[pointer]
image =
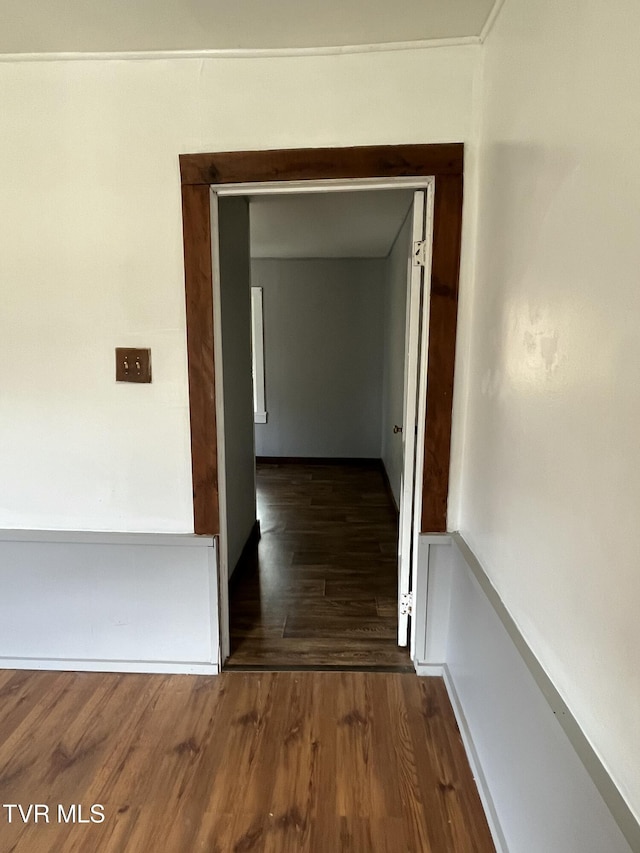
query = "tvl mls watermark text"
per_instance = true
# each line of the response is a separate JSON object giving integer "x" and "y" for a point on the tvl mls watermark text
{"x": 42, "y": 813}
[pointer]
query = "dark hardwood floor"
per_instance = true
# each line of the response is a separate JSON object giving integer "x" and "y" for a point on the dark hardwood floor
{"x": 274, "y": 762}
{"x": 319, "y": 589}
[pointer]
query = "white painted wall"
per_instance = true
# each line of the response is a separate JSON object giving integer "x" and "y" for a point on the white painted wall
{"x": 551, "y": 488}
{"x": 91, "y": 250}
{"x": 235, "y": 316}
{"x": 395, "y": 313}
{"x": 323, "y": 340}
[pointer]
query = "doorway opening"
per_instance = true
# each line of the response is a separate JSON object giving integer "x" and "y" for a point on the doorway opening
{"x": 243, "y": 173}
{"x": 343, "y": 277}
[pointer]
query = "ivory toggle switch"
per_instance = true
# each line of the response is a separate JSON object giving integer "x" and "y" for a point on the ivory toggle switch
{"x": 133, "y": 365}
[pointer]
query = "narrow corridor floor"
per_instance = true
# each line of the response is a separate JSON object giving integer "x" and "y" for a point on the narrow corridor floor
{"x": 319, "y": 589}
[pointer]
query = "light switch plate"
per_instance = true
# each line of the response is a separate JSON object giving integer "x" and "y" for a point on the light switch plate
{"x": 133, "y": 365}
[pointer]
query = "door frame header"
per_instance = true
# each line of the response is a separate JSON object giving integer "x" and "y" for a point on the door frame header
{"x": 303, "y": 164}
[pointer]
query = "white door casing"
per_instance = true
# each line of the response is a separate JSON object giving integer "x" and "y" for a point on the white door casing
{"x": 415, "y": 378}
{"x": 419, "y": 276}
{"x": 422, "y": 401}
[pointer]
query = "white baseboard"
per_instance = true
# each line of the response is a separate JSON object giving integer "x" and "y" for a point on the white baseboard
{"x": 132, "y": 666}
{"x": 429, "y": 669}
{"x": 476, "y": 768}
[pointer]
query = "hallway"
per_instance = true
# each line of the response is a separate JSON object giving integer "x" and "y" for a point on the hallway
{"x": 319, "y": 590}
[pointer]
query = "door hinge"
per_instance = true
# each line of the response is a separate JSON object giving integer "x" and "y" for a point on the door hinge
{"x": 419, "y": 253}
{"x": 406, "y": 604}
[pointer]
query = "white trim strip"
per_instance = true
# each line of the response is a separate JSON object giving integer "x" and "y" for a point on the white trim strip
{"x": 88, "y": 665}
{"x": 476, "y": 768}
{"x": 429, "y": 670}
{"x": 436, "y": 538}
{"x": 240, "y": 53}
{"x": 223, "y": 544}
{"x": 322, "y": 186}
{"x": 421, "y": 401}
{"x": 491, "y": 19}
{"x": 214, "y": 614}
{"x": 407, "y": 548}
{"x": 106, "y": 537}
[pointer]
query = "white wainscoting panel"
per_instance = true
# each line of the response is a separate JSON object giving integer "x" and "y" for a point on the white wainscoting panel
{"x": 536, "y": 789}
{"x": 108, "y": 602}
{"x": 432, "y": 597}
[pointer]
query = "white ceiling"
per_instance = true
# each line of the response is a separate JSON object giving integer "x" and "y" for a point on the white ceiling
{"x": 361, "y": 224}
{"x": 50, "y": 26}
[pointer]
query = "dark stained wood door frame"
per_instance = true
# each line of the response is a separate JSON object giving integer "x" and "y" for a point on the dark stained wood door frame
{"x": 198, "y": 171}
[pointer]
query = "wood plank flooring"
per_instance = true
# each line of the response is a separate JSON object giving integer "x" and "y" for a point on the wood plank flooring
{"x": 276, "y": 762}
{"x": 320, "y": 587}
